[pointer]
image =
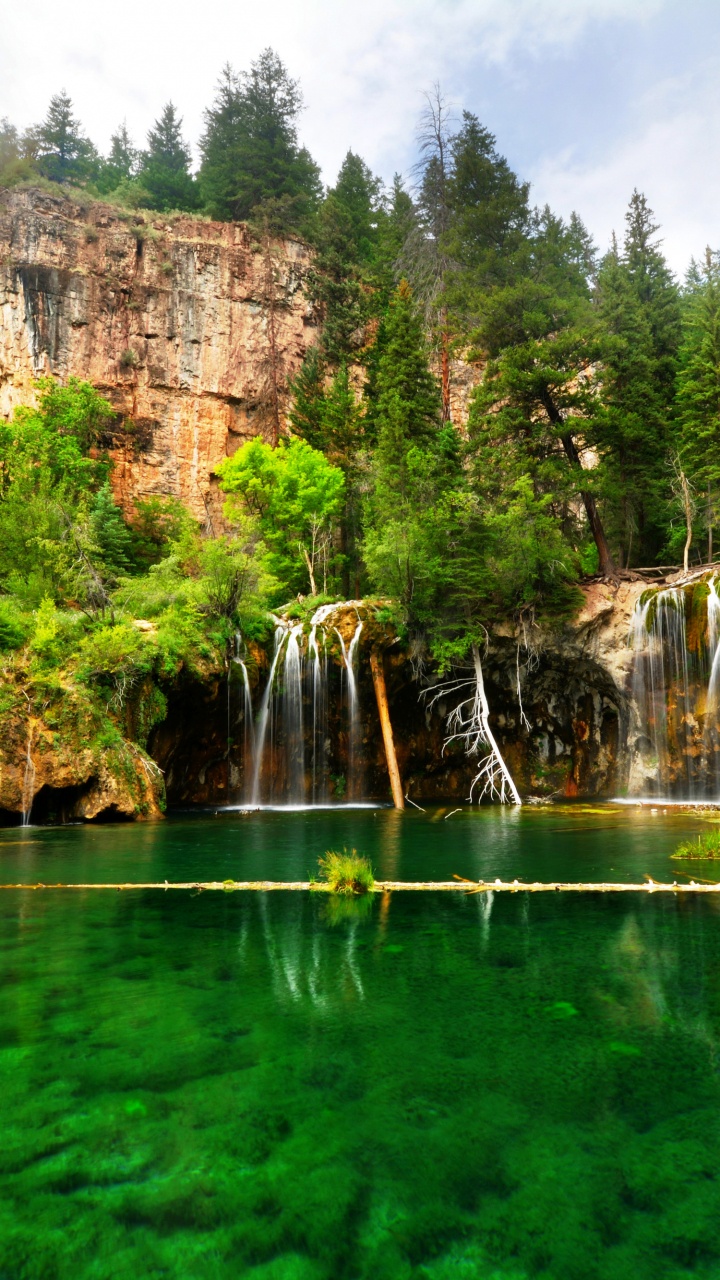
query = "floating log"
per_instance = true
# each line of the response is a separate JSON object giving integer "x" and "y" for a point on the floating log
{"x": 395, "y": 886}
{"x": 378, "y": 675}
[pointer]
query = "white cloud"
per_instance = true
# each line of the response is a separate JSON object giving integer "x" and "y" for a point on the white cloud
{"x": 670, "y": 154}
{"x": 362, "y": 66}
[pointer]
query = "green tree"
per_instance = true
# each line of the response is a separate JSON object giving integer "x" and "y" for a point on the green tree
{"x": 250, "y": 151}
{"x": 295, "y": 494}
{"x": 165, "y": 166}
{"x": 110, "y": 533}
{"x": 538, "y": 391}
{"x": 64, "y": 153}
{"x": 698, "y": 389}
{"x": 638, "y": 309}
{"x": 121, "y": 163}
{"x": 405, "y": 409}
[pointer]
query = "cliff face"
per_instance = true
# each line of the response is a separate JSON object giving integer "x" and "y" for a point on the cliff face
{"x": 186, "y": 326}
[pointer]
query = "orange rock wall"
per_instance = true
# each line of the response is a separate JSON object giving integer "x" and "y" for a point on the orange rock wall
{"x": 167, "y": 316}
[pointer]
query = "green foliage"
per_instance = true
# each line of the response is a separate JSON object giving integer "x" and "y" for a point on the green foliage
{"x": 294, "y": 493}
{"x": 250, "y": 152}
{"x": 63, "y": 152}
{"x": 347, "y": 872}
{"x": 14, "y": 625}
{"x": 704, "y": 849}
{"x": 110, "y": 534}
{"x": 165, "y": 166}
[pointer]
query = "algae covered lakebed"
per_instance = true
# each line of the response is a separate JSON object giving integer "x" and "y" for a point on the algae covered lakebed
{"x": 421, "y": 1086}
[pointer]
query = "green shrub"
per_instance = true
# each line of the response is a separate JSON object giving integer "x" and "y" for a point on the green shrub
{"x": 346, "y": 872}
{"x": 14, "y": 626}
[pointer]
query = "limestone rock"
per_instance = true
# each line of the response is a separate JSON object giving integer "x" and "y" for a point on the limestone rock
{"x": 166, "y": 315}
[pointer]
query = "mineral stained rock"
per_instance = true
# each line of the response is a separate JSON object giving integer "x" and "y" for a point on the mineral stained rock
{"x": 186, "y": 325}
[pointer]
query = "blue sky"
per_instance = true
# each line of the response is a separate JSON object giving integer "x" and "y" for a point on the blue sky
{"x": 588, "y": 98}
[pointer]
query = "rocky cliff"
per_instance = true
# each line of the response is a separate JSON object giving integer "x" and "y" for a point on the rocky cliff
{"x": 186, "y": 326}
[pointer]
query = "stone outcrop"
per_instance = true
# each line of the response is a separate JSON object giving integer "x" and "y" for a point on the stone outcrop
{"x": 577, "y": 736}
{"x": 184, "y": 324}
{"x": 52, "y": 777}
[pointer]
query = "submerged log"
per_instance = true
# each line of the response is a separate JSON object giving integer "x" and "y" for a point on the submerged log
{"x": 378, "y": 675}
{"x": 459, "y": 885}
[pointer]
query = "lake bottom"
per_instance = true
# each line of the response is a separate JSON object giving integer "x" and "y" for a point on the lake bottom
{"x": 421, "y": 1087}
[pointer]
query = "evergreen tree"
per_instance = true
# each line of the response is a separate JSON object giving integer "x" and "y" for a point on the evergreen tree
{"x": 345, "y": 235}
{"x": 698, "y": 389}
{"x": 538, "y": 392}
{"x": 250, "y": 151}
{"x": 165, "y": 166}
{"x": 637, "y": 303}
{"x": 64, "y": 153}
{"x": 121, "y": 163}
{"x": 221, "y": 147}
{"x": 489, "y": 219}
{"x": 308, "y": 398}
{"x": 110, "y": 534}
{"x": 358, "y": 194}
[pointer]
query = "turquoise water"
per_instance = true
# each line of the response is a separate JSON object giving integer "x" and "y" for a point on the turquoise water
{"x": 416, "y": 1086}
{"x": 555, "y": 842}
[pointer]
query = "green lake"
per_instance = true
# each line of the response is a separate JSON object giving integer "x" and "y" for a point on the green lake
{"x": 422, "y": 1087}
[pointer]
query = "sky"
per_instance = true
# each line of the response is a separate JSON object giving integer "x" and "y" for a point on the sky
{"x": 587, "y": 98}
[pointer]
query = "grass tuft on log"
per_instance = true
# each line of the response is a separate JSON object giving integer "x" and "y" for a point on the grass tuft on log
{"x": 346, "y": 872}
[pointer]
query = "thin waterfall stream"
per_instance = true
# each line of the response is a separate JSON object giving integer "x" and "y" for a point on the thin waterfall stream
{"x": 287, "y": 743}
{"x": 675, "y": 636}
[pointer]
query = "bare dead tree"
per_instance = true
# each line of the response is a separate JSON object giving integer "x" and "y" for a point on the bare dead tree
{"x": 424, "y": 259}
{"x": 469, "y": 723}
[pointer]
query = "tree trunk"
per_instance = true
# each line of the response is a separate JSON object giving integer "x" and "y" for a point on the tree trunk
{"x": 688, "y": 506}
{"x": 607, "y": 565}
{"x": 378, "y": 675}
{"x": 445, "y": 365}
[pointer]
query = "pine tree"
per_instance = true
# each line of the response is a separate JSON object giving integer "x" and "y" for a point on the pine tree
{"x": 407, "y": 407}
{"x": 220, "y": 147}
{"x": 537, "y": 393}
{"x": 250, "y": 151}
{"x": 488, "y": 219}
{"x": 308, "y": 398}
{"x": 110, "y": 533}
{"x": 64, "y": 153}
{"x": 638, "y": 308}
{"x": 165, "y": 166}
{"x": 121, "y": 162}
{"x": 698, "y": 389}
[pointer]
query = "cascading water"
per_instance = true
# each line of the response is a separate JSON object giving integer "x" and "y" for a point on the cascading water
{"x": 675, "y": 635}
{"x": 349, "y": 660}
{"x": 289, "y": 751}
{"x": 28, "y": 791}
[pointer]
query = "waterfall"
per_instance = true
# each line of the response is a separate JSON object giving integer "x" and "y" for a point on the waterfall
{"x": 293, "y": 718}
{"x": 264, "y": 716}
{"x": 288, "y": 754}
{"x": 354, "y": 729}
{"x": 675, "y": 636}
{"x": 28, "y": 791}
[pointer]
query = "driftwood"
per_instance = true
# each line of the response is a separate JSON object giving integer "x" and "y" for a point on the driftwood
{"x": 378, "y": 675}
{"x": 458, "y": 885}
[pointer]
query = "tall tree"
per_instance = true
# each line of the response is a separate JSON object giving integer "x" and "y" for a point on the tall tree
{"x": 638, "y": 308}
{"x": 250, "y": 151}
{"x": 345, "y": 235}
{"x": 121, "y": 163}
{"x": 698, "y": 389}
{"x": 537, "y": 394}
{"x": 165, "y": 165}
{"x": 64, "y": 153}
